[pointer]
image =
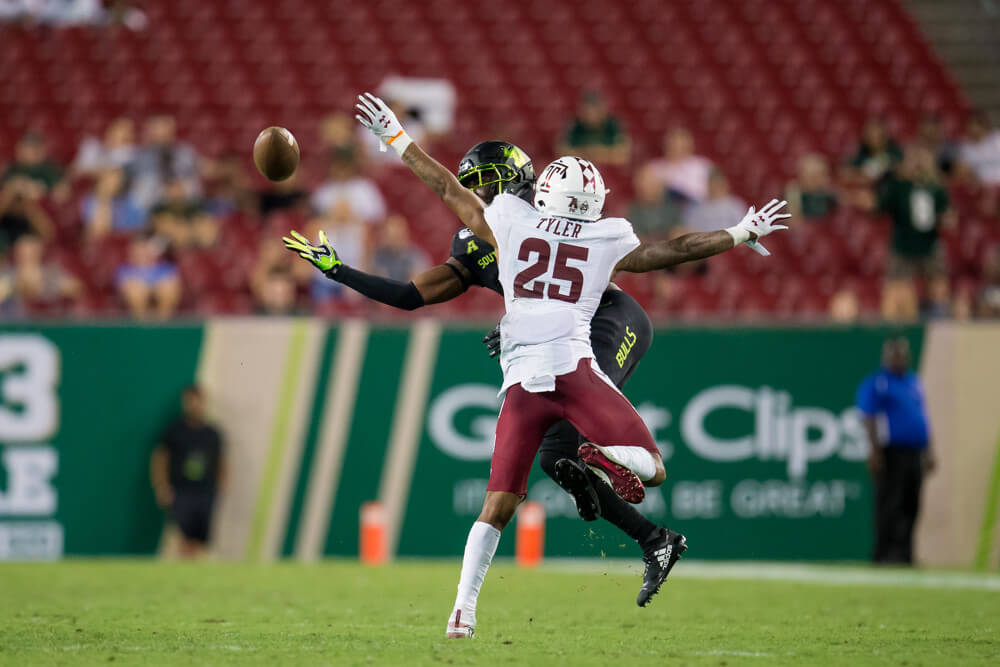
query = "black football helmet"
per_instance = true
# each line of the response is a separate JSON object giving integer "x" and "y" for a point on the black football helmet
{"x": 492, "y": 167}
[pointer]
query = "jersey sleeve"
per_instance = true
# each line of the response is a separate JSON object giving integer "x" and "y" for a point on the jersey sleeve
{"x": 468, "y": 248}
{"x": 627, "y": 240}
{"x": 867, "y": 398}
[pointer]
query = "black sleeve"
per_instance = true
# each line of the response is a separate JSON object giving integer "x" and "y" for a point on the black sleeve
{"x": 468, "y": 249}
{"x": 391, "y": 292}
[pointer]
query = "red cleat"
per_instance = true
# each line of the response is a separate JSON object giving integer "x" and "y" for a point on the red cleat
{"x": 625, "y": 482}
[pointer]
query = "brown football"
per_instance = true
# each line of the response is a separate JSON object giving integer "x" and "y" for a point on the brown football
{"x": 276, "y": 153}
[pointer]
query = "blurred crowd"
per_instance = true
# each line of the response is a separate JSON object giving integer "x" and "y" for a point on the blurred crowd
{"x": 913, "y": 184}
{"x": 161, "y": 230}
{"x": 149, "y": 205}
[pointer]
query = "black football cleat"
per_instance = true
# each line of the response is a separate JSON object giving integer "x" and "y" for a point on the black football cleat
{"x": 573, "y": 478}
{"x": 659, "y": 556}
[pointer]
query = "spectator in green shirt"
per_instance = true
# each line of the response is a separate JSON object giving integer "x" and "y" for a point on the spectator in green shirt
{"x": 183, "y": 220}
{"x": 812, "y": 195}
{"x": 867, "y": 172}
{"x": 594, "y": 134}
{"x": 917, "y": 203}
{"x": 31, "y": 162}
{"x": 21, "y": 211}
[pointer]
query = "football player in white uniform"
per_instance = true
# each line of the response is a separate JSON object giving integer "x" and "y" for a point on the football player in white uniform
{"x": 555, "y": 258}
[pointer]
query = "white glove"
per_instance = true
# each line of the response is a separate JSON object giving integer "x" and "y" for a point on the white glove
{"x": 760, "y": 223}
{"x": 376, "y": 115}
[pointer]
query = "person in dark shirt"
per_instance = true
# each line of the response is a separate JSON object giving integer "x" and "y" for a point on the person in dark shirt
{"x": 22, "y": 213}
{"x": 182, "y": 219}
{"x": 28, "y": 181}
{"x": 877, "y": 154}
{"x": 283, "y": 195}
{"x": 812, "y": 195}
{"x": 620, "y": 331}
{"x": 595, "y": 134}
{"x": 188, "y": 472}
{"x": 900, "y": 453}
{"x": 917, "y": 202}
{"x": 32, "y": 162}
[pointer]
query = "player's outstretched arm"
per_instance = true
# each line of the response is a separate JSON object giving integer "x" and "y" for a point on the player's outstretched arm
{"x": 686, "y": 248}
{"x": 699, "y": 245}
{"x": 460, "y": 200}
{"x": 376, "y": 115}
{"x": 435, "y": 285}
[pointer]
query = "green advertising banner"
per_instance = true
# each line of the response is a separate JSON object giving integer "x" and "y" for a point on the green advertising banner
{"x": 763, "y": 447}
{"x": 80, "y": 410}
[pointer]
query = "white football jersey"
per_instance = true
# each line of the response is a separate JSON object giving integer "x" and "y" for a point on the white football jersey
{"x": 553, "y": 272}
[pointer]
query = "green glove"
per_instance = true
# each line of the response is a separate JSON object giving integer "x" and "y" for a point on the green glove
{"x": 323, "y": 256}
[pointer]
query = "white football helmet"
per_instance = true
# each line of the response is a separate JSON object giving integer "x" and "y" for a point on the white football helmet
{"x": 570, "y": 187}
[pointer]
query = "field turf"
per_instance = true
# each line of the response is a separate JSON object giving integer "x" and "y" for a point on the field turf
{"x": 340, "y": 613}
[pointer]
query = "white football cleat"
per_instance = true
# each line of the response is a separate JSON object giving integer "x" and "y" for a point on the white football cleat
{"x": 458, "y": 630}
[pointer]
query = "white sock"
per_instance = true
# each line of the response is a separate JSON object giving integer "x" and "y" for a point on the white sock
{"x": 479, "y": 550}
{"x": 636, "y": 459}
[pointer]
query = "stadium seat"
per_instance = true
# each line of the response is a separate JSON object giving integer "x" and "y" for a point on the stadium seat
{"x": 759, "y": 82}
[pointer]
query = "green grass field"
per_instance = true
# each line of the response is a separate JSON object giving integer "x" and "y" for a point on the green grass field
{"x": 340, "y": 613}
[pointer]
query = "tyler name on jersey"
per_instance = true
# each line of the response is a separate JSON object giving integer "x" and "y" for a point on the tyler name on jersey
{"x": 561, "y": 226}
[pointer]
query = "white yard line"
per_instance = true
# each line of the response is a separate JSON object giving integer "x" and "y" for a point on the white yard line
{"x": 742, "y": 654}
{"x": 833, "y": 575}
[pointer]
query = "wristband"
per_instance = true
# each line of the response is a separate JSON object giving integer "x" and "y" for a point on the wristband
{"x": 399, "y": 142}
{"x": 739, "y": 235}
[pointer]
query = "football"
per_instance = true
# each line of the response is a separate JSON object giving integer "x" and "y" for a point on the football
{"x": 276, "y": 153}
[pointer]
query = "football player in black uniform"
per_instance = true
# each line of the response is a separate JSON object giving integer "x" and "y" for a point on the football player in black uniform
{"x": 621, "y": 334}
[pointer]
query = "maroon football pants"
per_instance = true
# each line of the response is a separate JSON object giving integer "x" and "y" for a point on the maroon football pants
{"x": 596, "y": 408}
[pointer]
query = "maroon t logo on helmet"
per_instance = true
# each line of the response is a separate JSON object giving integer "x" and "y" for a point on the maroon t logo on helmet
{"x": 556, "y": 168}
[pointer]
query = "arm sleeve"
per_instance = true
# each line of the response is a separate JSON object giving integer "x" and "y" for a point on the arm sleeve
{"x": 867, "y": 398}
{"x": 391, "y": 292}
{"x": 627, "y": 240}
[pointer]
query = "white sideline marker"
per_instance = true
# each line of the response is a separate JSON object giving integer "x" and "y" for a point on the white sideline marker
{"x": 832, "y": 575}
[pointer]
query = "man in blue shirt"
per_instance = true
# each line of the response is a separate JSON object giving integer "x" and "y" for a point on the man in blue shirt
{"x": 892, "y": 402}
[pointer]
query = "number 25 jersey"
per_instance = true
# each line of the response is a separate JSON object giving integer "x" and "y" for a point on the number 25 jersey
{"x": 553, "y": 272}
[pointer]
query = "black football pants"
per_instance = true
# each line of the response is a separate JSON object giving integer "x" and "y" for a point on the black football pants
{"x": 897, "y": 501}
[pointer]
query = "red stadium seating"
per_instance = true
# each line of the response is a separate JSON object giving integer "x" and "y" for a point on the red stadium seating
{"x": 759, "y": 82}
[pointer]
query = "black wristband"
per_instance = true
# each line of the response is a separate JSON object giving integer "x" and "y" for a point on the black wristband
{"x": 384, "y": 290}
